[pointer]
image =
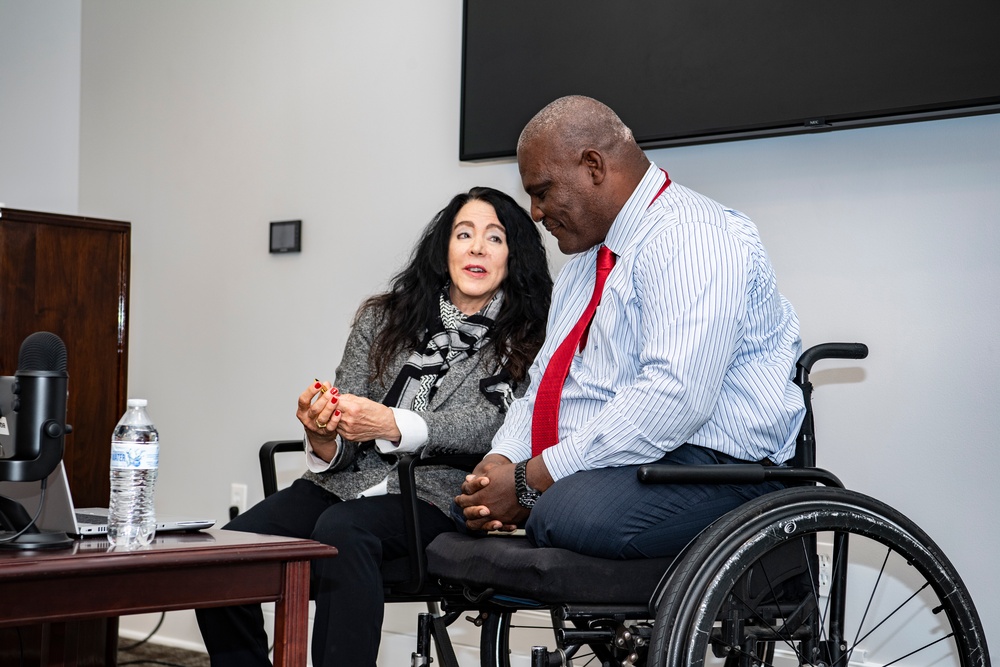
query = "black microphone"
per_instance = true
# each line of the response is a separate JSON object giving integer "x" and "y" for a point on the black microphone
{"x": 38, "y": 408}
{"x": 37, "y": 421}
{"x": 42, "y": 351}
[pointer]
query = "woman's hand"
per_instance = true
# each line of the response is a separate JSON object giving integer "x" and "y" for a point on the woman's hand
{"x": 362, "y": 419}
{"x": 318, "y": 412}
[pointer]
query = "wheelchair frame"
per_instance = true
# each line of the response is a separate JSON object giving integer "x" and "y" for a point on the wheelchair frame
{"x": 747, "y": 587}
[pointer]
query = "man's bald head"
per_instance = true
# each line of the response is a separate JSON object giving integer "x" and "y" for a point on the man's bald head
{"x": 576, "y": 122}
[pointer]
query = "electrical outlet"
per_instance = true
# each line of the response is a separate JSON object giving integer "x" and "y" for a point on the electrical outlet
{"x": 238, "y": 497}
{"x": 825, "y": 552}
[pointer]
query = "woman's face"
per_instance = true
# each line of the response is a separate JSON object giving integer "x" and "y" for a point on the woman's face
{"x": 477, "y": 256}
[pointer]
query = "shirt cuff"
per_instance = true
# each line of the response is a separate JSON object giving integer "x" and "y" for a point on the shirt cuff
{"x": 412, "y": 433}
{"x": 314, "y": 463}
{"x": 562, "y": 460}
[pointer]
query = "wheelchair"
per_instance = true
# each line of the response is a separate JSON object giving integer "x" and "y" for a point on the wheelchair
{"x": 813, "y": 574}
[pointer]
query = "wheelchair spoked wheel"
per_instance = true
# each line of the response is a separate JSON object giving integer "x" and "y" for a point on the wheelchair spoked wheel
{"x": 816, "y": 576}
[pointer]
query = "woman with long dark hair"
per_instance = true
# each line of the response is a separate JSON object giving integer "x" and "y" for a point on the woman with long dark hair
{"x": 431, "y": 366}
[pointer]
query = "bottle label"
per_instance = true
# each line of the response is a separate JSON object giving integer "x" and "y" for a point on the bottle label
{"x": 132, "y": 456}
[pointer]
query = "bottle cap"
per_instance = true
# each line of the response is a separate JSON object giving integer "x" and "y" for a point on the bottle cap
{"x": 137, "y": 402}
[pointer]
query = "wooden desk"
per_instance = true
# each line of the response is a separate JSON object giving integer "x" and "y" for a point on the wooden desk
{"x": 66, "y": 589}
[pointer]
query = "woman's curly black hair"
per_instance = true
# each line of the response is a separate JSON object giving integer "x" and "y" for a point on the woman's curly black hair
{"x": 411, "y": 304}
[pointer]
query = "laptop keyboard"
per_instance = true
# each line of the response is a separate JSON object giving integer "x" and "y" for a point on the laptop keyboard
{"x": 95, "y": 519}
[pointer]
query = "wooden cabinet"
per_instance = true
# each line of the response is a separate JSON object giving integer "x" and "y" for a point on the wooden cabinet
{"x": 70, "y": 275}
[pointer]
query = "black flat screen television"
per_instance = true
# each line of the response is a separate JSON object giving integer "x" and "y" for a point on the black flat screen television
{"x": 698, "y": 71}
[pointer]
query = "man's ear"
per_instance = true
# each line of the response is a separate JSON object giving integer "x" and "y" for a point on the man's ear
{"x": 594, "y": 162}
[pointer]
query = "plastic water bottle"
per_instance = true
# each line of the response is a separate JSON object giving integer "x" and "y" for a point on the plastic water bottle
{"x": 135, "y": 457}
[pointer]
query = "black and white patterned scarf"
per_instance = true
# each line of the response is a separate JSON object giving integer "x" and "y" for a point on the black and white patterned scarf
{"x": 455, "y": 336}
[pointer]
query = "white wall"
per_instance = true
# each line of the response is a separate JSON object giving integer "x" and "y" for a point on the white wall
{"x": 203, "y": 121}
{"x": 40, "y": 104}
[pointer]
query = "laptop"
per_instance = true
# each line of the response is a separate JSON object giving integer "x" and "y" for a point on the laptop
{"x": 59, "y": 514}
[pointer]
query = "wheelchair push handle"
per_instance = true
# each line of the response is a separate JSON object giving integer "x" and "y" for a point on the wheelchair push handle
{"x": 831, "y": 351}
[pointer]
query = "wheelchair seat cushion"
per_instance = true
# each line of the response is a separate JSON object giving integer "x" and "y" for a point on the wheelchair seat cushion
{"x": 512, "y": 566}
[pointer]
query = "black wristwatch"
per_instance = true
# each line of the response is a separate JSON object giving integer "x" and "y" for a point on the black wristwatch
{"x": 526, "y": 496}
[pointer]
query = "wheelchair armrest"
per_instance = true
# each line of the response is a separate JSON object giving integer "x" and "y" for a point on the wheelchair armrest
{"x": 268, "y": 472}
{"x": 736, "y": 473}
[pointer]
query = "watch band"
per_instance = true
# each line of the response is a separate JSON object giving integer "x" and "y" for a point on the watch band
{"x": 526, "y": 496}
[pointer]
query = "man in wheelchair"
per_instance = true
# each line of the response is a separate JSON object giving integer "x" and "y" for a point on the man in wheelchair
{"x": 662, "y": 462}
{"x": 688, "y": 360}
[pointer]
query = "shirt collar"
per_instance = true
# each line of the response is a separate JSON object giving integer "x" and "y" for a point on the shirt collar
{"x": 629, "y": 220}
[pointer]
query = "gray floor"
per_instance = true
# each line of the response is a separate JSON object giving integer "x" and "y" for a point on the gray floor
{"x": 156, "y": 654}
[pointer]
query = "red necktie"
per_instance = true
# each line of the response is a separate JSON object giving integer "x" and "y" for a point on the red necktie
{"x": 545, "y": 419}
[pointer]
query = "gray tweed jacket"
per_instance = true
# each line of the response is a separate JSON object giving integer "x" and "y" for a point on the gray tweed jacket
{"x": 460, "y": 420}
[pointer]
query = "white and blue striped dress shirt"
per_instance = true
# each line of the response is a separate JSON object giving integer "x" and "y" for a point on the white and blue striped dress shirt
{"x": 692, "y": 343}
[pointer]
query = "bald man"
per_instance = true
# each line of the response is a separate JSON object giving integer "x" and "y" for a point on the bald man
{"x": 688, "y": 360}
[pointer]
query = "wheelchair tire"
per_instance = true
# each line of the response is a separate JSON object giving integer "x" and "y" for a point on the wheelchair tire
{"x": 494, "y": 647}
{"x": 500, "y": 630}
{"x": 901, "y": 600}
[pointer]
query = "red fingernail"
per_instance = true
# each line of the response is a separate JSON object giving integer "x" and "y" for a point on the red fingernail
{"x": 336, "y": 413}
{"x": 333, "y": 400}
{"x": 317, "y": 385}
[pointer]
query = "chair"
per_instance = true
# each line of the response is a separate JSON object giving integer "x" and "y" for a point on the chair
{"x": 768, "y": 579}
{"x": 405, "y": 578}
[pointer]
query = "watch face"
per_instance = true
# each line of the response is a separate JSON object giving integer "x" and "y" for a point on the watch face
{"x": 527, "y": 500}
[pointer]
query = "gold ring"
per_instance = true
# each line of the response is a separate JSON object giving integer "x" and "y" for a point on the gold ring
{"x": 320, "y": 424}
